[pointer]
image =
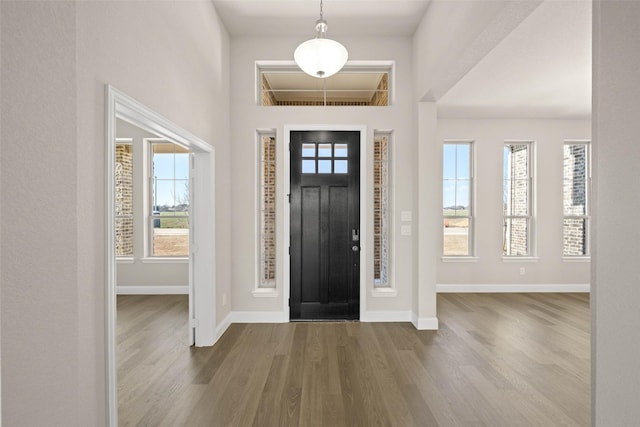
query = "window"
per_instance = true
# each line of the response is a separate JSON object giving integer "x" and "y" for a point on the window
{"x": 124, "y": 198}
{"x": 575, "y": 191}
{"x": 381, "y": 212}
{"x": 285, "y": 84}
{"x": 517, "y": 199}
{"x": 457, "y": 200}
{"x": 325, "y": 158}
{"x": 267, "y": 206}
{"x": 169, "y": 219}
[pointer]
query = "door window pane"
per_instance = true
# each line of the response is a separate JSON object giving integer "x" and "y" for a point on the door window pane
{"x": 308, "y": 150}
{"x": 340, "y": 150}
{"x": 324, "y": 150}
{"x": 324, "y": 166}
{"x": 340, "y": 166}
{"x": 308, "y": 166}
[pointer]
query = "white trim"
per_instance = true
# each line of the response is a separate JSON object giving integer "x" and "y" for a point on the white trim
{"x": 387, "y": 316}
{"x": 384, "y": 292}
{"x": 223, "y": 326}
{"x": 425, "y": 323}
{"x": 259, "y": 317}
{"x": 513, "y": 288}
{"x": 460, "y": 259}
{"x": 125, "y": 260}
{"x": 576, "y": 259}
{"x": 264, "y": 293}
{"x": 121, "y": 106}
{"x": 516, "y": 258}
{"x": 165, "y": 260}
{"x": 285, "y": 176}
{"x": 152, "y": 290}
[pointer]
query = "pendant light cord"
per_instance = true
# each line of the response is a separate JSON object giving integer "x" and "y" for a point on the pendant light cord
{"x": 321, "y": 10}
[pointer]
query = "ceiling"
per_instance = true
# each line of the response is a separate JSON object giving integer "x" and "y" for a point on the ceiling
{"x": 541, "y": 69}
{"x": 298, "y": 17}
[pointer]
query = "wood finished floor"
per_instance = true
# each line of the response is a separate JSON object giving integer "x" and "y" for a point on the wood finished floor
{"x": 497, "y": 360}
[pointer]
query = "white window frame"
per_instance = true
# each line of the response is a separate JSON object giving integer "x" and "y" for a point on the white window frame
{"x": 373, "y": 66}
{"x": 587, "y": 216}
{"x": 264, "y": 288}
{"x": 470, "y": 257}
{"x": 531, "y": 205}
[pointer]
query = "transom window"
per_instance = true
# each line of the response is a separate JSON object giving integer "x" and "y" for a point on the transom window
{"x": 284, "y": 84}
{"x": 325, "y": 158}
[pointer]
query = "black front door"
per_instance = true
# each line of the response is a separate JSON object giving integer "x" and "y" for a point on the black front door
{"x": 325, "y": 225}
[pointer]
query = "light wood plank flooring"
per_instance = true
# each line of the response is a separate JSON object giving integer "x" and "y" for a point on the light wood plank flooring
{"x": 497, "y": 360}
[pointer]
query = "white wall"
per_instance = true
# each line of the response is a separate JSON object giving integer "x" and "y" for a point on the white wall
{"x": 40, "y": 313}
{"x": 616, "y": 291}
{"x": 247, "y": 117}
{"x": 489, "y": 136}
{"x": 56, "y": 59}
{"x": 134, "y": 271}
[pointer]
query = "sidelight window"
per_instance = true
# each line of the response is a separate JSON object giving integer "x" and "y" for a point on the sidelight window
{"x": 267, "y": 209}
{"x": 381, "y": 213}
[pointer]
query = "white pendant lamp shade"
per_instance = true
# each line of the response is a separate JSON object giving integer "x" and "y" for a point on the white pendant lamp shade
{"x": 321, "y": 57}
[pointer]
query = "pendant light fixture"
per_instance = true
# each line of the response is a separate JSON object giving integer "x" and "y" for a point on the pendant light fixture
{"x": 321, "y": 57}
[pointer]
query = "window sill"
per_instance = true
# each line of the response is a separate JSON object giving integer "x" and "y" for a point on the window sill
{"x": 576, "y": 259}
{"x": 459, "y": 259}
{"x": 264, "y": 293}
{"x": 125, "y": 260}
{"x": 384, "y": 293}
{"x": 165, "y": 260}
{"x": 520, "y": 259}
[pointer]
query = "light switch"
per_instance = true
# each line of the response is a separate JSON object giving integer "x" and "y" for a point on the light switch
{"x": 405, "y": 216}
{"x": 405, "y": 230}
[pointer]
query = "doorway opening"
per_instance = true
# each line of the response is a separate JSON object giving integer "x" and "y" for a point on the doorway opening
{"x": 121, "y": 108}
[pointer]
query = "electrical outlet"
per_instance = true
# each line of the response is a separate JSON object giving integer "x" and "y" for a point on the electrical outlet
{"x": 522, "y": 271}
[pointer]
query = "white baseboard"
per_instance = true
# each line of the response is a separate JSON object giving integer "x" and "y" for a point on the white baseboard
{"x": 424, "y": 323}
{"x": 519, "y": 288}
{"x": 386, "y": 316}
{"x": 152, "y": 290}
{"x": 223, "y": 326}
{"x": 259, "y": 317}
